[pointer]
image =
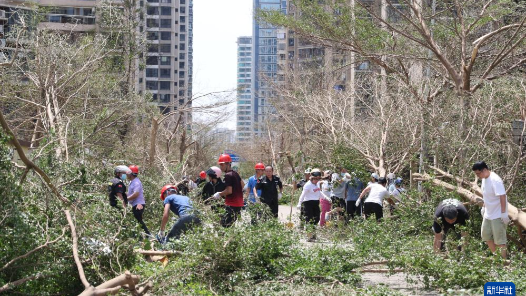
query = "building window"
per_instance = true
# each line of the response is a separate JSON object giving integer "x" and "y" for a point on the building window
{"x": 182, "y": 46}
{"x": 152, "y": 23}
{"x": 182, "y": 19}
{"x": 165, "y": 61}
{"x": 153, "y": 48}
{"x": 152, "y": 72}
{"x": 183, "y": 9}
{"x": 181, "y": 74}
{"x": 181, "y": 83}
{"x": 182, "y": 56}
{"x": 152, "y": 36}
{"x": 182, "y": 2}
{"x": 164, "y": 85}
{"x": 165, "y": 98}
{"x": 164, "y": 109}
{"x": 182, "y": 28}
{"x": 166, "y": 36}
{"x": 181, "y": 93}
{"x": 166, "y": 10}
{"x": 166, "y": 23}
{"x": 181, "y": 65}
{"x": 182, "y": 37}
{"x": 152, "y": 10}
{"x": 165, "y": 73}
{"x": 151, "y": 85}
{"x": 152, "y": 61}
{"x": 165, "y": 48}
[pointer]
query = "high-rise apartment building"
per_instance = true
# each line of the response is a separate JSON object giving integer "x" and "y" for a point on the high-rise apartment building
{"x": 244, "y": 127}
{"x": 264, "y": 61}
{"x": 168, "y": 71}
{"x": 168, "y": 24}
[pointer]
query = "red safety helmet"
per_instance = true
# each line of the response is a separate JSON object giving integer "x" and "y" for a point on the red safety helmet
{"x": 259, "y": 166}
{"x": 134, "y": 169}
{"x": 202, "y": 174}
{"x": 224, "y": 158}
{"x": 166, "y": 187}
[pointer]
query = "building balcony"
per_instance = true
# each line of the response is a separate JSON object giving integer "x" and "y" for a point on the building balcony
{"x": 66, "y": 27}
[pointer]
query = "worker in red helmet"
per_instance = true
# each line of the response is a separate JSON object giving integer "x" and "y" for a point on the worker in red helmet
{"x": 136, "y": 196}
{"x": 201, "y": 178}
{"x": 233, "y": 193}
{"x": 181, "y": 206}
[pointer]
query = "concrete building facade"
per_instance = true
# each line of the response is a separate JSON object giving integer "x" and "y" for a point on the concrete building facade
{"x": 244, "y": 127}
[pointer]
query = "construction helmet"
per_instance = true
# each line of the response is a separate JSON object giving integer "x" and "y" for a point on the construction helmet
{"x": 122, "y": 169}
{"x": 398, "y": 181}
{"x": 259, "y": 166}
{"x": 224, "y": 158}
{"x": 214, "y": 172}
{"x": 134, "y": 169}
{"x": 315, "y": 173}
{"x": 166, "y": 187}
{"x": 202, "y": 175}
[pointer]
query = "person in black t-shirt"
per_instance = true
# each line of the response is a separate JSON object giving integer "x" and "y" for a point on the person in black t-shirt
{"x": 449, "y": 213}
{"x": 116, "y": 187}
{"x": 269, "y": 184}
{"x": 214, "y": 185}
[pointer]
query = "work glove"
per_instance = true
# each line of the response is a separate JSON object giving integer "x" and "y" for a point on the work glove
{"x": 504, "y": 217}
{"x": 482, "y": 211}
{"x": 280, "y": 196}
{"x": 216, "y": 195}
{"x": 161, "y": 237}
{"x": 358, "y": 202}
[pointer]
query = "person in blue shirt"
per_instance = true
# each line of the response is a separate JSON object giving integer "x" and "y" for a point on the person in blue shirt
{"x": 353, "y": 188}
{"x": 253, "y": 193}
{"x": 181, "y": 206}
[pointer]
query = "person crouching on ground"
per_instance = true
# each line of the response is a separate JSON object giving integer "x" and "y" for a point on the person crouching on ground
{"x": 448, "y": 213}
{"x": 181, "y": 206}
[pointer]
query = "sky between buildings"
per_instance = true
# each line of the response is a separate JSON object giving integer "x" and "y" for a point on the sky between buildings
{"x": 217, "y": 24}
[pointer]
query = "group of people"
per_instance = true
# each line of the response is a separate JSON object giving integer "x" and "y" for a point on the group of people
{"x": 324, "y": 195}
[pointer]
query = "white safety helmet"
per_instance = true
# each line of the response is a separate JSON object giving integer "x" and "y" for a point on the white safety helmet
{"x": 217, "y": 171}
{"x": 122, "y": 169}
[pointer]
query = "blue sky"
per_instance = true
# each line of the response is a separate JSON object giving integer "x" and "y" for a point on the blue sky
{"x": 217, "y": 24}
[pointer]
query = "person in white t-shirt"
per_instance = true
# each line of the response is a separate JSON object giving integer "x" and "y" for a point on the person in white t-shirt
{"x": 495, "y": 209}
{"x": 310, "y": 200}
{"x": 374, "y": 203}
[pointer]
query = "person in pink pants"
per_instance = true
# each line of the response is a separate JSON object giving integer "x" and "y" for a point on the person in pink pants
{"x": 325, "y": 202}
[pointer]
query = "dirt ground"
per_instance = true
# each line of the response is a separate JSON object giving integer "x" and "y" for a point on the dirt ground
{"x": 396, "y": 281}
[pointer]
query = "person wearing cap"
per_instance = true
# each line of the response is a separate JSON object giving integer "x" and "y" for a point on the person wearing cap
{"x": 374, "y": 202}
{"x": 233, "y": 193}
{"x": 326, "y": 202}
{"x": 201, "y": 178}
{"x": 136, "y": 196}
{"x": 310, "y": 201}
{"x": 306, "y": 177}
{"x": 181, "y": 206}
{"x": 495, "y": 209}
{"x": 395, "y": 196}
{"x": 117, "y": 188}
{"x": 448, "y": 213}
{"x": 271, "y": 189}
{"x": 353, "y": 188}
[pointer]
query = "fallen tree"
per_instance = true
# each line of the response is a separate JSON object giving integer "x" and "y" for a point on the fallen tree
{"x": 472, "y": 195}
